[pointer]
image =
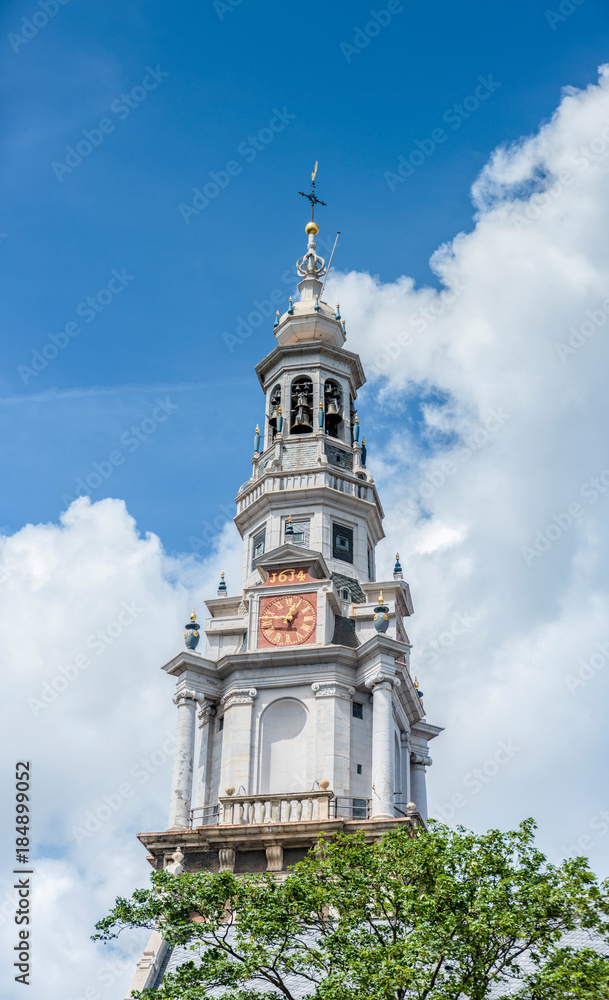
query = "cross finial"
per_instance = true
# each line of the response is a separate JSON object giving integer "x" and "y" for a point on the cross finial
{"x": 312, "y": 196}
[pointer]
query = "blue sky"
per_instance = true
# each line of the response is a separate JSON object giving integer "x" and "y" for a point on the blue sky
{"x": 176, "y": 288}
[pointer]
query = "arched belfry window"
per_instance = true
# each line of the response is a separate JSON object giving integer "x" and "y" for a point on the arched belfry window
{"x": 333, "y": 404}
{"x": 301, "y": 410}
{"x": 274, "y": 407}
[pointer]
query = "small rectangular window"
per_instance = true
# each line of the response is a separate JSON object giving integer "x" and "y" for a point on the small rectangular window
{"x": 358, "y": 710}
{"x": 342, "y": 543}
{"x": 221, "y": 724}
{"x": 258, "y": 546}
{"x": 359, "y": 768}
{"x": 370, "y": 562}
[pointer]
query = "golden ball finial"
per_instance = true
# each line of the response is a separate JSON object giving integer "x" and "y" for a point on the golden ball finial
{"x": 311, "y": 227}
{"x": 397, "y": 555}
{"x": 193, "y": 616}
{"x": 416, "y": 683}
{"x": 222, "y": 575}
{"x": 381, "y": 600}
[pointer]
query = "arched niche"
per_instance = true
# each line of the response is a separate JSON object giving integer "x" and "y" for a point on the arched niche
{"x": 275, "y": 406}
{"x": 283, "y": 747}
{"x": 333, "y": 408}
{"x": 301, "y": 405}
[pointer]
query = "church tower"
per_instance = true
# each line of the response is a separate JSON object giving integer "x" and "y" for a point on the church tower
{"x": 301, "y": 715}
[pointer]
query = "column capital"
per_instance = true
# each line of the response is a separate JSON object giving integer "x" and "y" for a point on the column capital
{"x": 206, "y": 711}
{"x": 239, "y": 696}
{"x": 332, "y": 689}
{"x": 420, "y": 759}
{"x": 186, "y": 695}
{"x": 388, "y": 681}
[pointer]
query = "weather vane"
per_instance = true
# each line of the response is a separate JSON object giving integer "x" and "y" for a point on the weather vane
{"x": 312, "y": 198}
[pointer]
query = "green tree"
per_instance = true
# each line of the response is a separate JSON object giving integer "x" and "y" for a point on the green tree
{"x": 444, "y": 915}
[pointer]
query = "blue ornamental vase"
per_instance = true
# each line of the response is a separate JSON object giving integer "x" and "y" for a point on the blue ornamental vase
{"x": 381, "y": 616}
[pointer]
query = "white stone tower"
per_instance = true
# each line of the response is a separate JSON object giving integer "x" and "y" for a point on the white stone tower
{"x": 301, "y": 717}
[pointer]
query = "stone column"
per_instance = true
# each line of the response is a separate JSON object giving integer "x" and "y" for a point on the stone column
{"x": 237, "y": 740}
{"x": 333, "y": 734}
{"x": 181, "y": 782}
{"x": 418, "y": 781}
{"x": 206, "y": 712}
{"x": 383, "y": 779}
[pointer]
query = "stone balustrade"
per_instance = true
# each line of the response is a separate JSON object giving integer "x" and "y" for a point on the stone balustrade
{"x": 286, "y": 807}
{"x": 345, "y": 483}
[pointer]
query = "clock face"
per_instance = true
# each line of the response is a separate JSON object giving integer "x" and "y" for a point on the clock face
{"x": 288, "y": 621}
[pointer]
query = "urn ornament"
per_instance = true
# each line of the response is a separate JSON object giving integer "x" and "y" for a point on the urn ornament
{"x": 381, "y": 615}
{"x": 191, "y": 635}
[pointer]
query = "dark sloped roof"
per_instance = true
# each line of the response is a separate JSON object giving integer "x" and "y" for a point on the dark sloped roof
{"x": 344, "y": 632}
{"x": 357, "y": 594}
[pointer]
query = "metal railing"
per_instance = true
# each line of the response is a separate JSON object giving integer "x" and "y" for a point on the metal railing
{"x": 350, "y": 809}
{"x": 204, "y": 816}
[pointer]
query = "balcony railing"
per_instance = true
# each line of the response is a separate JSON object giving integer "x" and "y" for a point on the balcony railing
{"x": 285, "y": 807}
{"x": 204, "y": 816}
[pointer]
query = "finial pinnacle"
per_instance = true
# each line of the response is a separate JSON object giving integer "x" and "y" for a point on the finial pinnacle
{"x": 193, "y": 616}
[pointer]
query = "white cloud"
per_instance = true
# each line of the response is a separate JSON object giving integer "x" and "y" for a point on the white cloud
{"x": 512, "y": 434}
{"x": 97, "y": 731}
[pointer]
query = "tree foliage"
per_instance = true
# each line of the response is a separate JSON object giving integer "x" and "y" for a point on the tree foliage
{"x": 445, "y": 915}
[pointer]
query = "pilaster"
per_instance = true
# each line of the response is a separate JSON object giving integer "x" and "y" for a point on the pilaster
{"x": 333, "y": 733}
{"x": 237, "y": 739}
{"x": 205, "y": 713}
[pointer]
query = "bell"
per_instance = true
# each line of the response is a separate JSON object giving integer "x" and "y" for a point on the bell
{"x": 332, "y": 409}
{"x": 274, "y": 417}
{"x": 302, "y": 399}
{"x": 302, "y": 421}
